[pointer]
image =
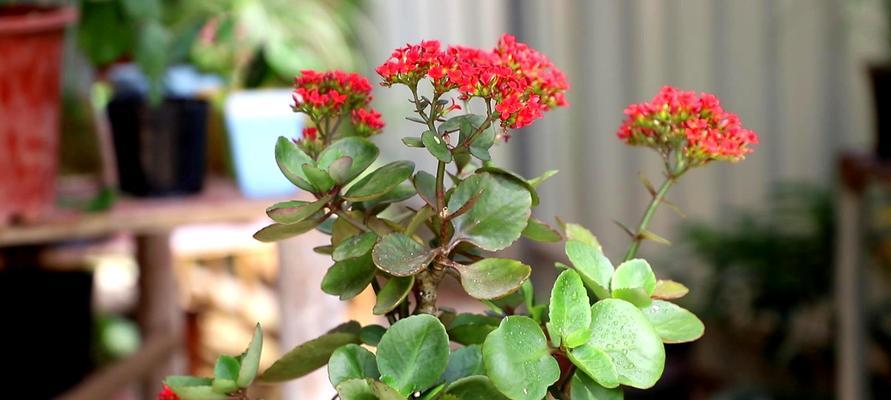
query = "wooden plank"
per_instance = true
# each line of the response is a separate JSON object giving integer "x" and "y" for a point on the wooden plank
{"x": 220, "y": 202}
{"x": 110, "y": 380}
{"x": 848, "y": 298}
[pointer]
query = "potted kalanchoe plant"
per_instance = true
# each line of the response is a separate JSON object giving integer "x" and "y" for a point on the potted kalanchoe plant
{"x": 604, "y": 327}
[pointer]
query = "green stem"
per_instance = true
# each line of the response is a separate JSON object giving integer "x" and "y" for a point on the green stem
{"x": 648, "y": 215}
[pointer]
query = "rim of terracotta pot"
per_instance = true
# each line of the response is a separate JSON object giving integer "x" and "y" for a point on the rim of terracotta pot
{"x": 18, "y": 20}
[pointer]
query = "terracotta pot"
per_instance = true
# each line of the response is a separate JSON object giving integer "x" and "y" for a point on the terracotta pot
{"x": 31, "y": 41}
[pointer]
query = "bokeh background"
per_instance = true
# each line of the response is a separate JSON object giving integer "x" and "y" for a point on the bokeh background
{"x": 759, "y": 242}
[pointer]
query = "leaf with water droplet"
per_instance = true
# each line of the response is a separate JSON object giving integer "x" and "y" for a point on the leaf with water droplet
{"x": 673, "y": 323}
{"x": 570, "y": 311}
{"x": 518, "y": 360}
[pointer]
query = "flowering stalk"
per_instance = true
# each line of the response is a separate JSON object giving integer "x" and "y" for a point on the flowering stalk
{"x": 638, "y": 237}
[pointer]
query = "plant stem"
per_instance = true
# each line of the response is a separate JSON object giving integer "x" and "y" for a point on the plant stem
{"x": 648, "y": 215}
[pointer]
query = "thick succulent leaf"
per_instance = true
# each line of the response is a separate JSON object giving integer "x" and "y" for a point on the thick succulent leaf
{"x": 593, "y": 266}
{"x": 276, "y": 232}
{"x": 351, "y": 361}
{"x": 492, "y": 278}
{"x": 477, "y": 387}
{"x": 290, "y": 160}
{"x": 307, "y": 357}
{"x": 394, "y": 292}
{"x": 669, "y": 290}
{"x": 633, "y": 274}
{"x": 250, "y": 359}
{"x": 673, "y": 323}
{"x": 413, "y": 353}
{"x": 318, "y": 177}
{"x": 399, "y": 255}
{"x": 499, "y": 215}
{"x": 354, "y": 246}
{"x": 366, "y": 389}
{"x": 412, "y": 141}
{"x": 622, "y": 331}
{"x": 360, "y": 150}
{"x": 401, "y": 192}
{"x": 292, "y": 212}
{"x": 570, "y": 311}
{"x": 463, "y": 362}
{"x": 381, "y": 181}
{"x": 538, "y": 180}
{"x": 469, "y": 329}
{"x": 518, "y": 359}
{"x": 425, "y": 185}
{"x": 371, "y": 334}
{"x": 581, "y": 234}
{"x": 540, "y": 232}
{"x": 436, "y": 146}
{"x": 348, "y": 278}
{"x": 513, "y": 177}
{"x": 341, "y": 170}
{"x": 596, "y": 364}
{"x": 583, "y": 388}
{"x": 636, "y": 296}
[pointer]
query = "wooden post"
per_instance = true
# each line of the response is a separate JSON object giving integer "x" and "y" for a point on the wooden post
{"x": 159, "y": 311}
{"x": 850, "y": 368}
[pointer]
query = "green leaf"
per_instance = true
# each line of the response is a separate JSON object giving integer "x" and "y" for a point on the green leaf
{"x": 492, "y": 278}
{"x": 413, "y": 353}
{"x": 425, "y": 185}
{"x": 412, "y": 141}
{"x": 292, "y": 212}
{"x": 622, "y": 331}
{"x": 433, "y": 393}
{"x": 250, "y": 359}
{"x": 348, "y": 278}
{"x": 570, "y": 311}
{"x": 540, "y": 232}
{"x": 463, "y": 362}
{"x": 307, "y": 357}
{"x": 341, "y": 170}
{"x": 648, "y": 235}
{"x": 399, "y": 255}
{"x": 366, "y": 389}
{"x": 371, "y": 334}
{"x": 342, "y": 229}
{"x": 636, "y": 296}
{"x": 476, "y": 387}
{"x": 418, "y": 219}
{"x": 203, "y": 392}
{"x": 528, "y": 295}
{"x": 518, "y": 360}
{"x": 581, "y": 234}
{"x": 583, "y": 388}
{"x": 468, "y": 329}
{"x": 436, "y": 146}
{"x": 593, "y": 266}
{"x": 634, "y": 274}
{"x": 535, "y": 182}
{"x": 354, "y": 246}
{"x": 481, "y": 145}
{"x": 499, "y": 215}
{"x": 596, "y": 364}
{"x": 318, "y": 177}
{"x": 290, "y": 160}
{"x": 669, "y": 290}
{"x": 673, "y": 323}
{"x": 360, "y": 150}
{"x": 513, "y": 177}
{"x": 225, "y": 374}
{"x": 394, "y": 292}
{"x": 185, "y": 381}
{"x": 276, "y": 232}
{"x": 381, "y": 181}
{"x": 403, "y": 191}
{"x": 351, "y": 361}
{"x": 352, "y": 327}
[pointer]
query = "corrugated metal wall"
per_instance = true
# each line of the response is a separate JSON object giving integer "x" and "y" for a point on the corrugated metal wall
{"x": 792, "y": 69}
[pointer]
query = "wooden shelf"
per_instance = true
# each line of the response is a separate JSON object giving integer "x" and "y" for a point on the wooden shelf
{"x": 220, "y": 202}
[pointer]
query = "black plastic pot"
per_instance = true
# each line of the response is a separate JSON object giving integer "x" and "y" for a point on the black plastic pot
{"x": 881, "y": 88}
{"x": 160, "y": 150}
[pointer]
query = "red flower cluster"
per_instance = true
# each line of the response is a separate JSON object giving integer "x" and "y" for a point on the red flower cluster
{"x": 329, "y": 95}
{"x": 684, "y": 121}
{"x": 521, "y": 81}
{"x": 167, "y": 393}
{"x": 367, "y": 121}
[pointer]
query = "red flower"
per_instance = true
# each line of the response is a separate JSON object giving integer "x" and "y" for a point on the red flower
{"x": 367, "y": 122}
{"x": 309, "y": 133}
{"x": 697, "y": 125}
{"x": 520, "y": 81}
{"x": 328, "y": 94}
{"x": 167, "y": 393}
